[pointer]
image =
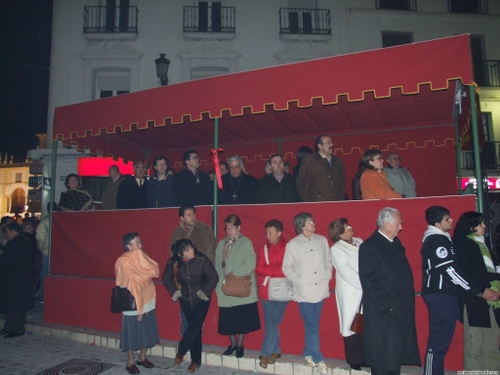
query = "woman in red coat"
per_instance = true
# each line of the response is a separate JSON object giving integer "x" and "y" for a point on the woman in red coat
{"x": 268, "y": 267}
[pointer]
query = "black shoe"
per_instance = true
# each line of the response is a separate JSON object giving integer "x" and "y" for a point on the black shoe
{"x": 356, "y": 367}
{"x": 240, "y": 352}
{"x": 230, "y": 350}
{"x": 12, "y": 335}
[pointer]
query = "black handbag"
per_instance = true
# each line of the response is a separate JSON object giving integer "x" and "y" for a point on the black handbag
{"x": 122, "y": 300}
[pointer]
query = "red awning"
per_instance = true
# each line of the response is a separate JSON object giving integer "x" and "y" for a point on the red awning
{"x": 398, "y": 87}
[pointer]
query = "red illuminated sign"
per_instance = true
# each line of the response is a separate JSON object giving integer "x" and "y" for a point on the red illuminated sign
{"x": 98, "y": 167}
{"x": 493, "y": 183}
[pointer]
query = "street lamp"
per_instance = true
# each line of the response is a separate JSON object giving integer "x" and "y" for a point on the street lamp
{"x": 162, "y": 65}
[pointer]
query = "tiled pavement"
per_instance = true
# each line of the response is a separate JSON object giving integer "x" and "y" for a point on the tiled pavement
{"x": 86, "y": 352}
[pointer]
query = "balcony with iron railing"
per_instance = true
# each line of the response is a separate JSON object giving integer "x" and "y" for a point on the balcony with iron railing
{"x": 410, "y": 5}
{"x": 468, "y": 6}
{"x": 101, "y": 22}
{"x": 488, "y": 73}
{"x": 218, "y": 21}
{"x": 305, "y": 24}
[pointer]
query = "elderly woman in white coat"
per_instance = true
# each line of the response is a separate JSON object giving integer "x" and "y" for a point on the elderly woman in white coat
{"x": 348, "y": 292}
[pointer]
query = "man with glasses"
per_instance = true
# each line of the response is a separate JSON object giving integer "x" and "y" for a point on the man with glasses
{"x": 160, "y": 189}
{"x": 277, "y": 187}
{"x": 193, "y": 186}
{"x": 399, "y": 177}
{"x": 132, "y": 190}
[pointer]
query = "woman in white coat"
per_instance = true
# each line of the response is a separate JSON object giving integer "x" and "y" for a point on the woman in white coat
{"x": 348, "y": 290}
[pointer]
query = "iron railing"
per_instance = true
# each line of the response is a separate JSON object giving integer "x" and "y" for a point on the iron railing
{"x": 468, "y": 6}
{"x": 397, "y": 4}
{"x": 209, "y": 19}
{"x": 102, "y": 19}
{"x": 488, "y": 73}
{"x": 305, "y": 21}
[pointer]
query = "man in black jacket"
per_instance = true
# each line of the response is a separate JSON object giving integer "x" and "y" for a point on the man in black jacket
{"x": 277, "y": 187}
{"x": 442, "y": 285}
{"x": 132, "y": 190}
{"x": 16, "y": 281}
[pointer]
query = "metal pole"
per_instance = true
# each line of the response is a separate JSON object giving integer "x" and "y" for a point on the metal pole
{"x": 475, "y": 142}
{"x": 458, "y": 154}
{"x": 52, "y": 197}
{"x": 216, "y": 187}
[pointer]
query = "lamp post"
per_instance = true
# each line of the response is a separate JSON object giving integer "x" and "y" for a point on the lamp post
{"x": 162, "y": 65}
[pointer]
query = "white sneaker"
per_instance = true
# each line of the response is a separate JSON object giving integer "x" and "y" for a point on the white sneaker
{"x": 322, "y": 369}
{"x": 309, "y": 361}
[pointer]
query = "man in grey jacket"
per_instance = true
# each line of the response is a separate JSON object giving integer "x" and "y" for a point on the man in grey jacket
{"x": 399, "y": 177}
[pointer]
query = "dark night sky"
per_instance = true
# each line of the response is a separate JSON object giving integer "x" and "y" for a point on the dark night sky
{"x": 24, "y": 73}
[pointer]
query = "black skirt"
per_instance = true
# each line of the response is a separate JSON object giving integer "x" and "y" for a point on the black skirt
{"x": 239, "y": 319}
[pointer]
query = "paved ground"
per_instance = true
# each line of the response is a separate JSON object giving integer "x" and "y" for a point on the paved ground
{"x": 63, "y": 350}
{"x": 38, "y": 354}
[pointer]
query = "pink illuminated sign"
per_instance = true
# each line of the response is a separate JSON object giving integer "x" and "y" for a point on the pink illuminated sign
{"x": 493, "y": 182}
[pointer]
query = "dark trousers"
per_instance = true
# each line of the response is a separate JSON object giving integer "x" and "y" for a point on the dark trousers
{"x": 443, "y": 313}
{"x": 379, "y": 371}
{"x": 354, "y": 349}
{"x": 14, "y": 322}
{"x": 191, "y": 340}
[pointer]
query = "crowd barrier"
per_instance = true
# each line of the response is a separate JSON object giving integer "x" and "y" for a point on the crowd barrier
{"x": 86, "y": 245}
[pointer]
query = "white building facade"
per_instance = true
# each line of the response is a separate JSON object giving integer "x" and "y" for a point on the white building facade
{"x": 102, "y": 48}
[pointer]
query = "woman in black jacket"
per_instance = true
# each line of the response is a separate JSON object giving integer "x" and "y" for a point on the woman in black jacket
{"x": 190, "y": 277}
{"x": 481, "y": 319}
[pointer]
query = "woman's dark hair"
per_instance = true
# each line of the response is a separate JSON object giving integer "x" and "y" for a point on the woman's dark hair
{"x": 302, "y": 152}
{"x": 70, "y": 176}
{"x": 466, "y": 224}
{"x": 337, "y": 228}
{"x": 274, "y": 223}
{"x": 14, "y": 227}
{"x": 436, "y": 214}
{"x": 178, "y": 249}
{"x": 368, "y": 156}
{"x": 127, "y": 238}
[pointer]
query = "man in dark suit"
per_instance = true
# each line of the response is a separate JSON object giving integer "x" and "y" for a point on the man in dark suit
{"x": 132, "y": 190}
{"x": 277, "y": 187}
{"x": 321, "y": 175}
{"x": 388, "y": 298}
{"x": 238, "y": 186}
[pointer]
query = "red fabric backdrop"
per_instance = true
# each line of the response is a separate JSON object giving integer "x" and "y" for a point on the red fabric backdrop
{"x": 86, "y": 246}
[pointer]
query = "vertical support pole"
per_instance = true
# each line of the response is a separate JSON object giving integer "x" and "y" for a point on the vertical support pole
{"x": 475, "y": 142}
{"x": 52, "y": 197}
{"x": 458, "y": 157}
{"x": 216, "y": 188}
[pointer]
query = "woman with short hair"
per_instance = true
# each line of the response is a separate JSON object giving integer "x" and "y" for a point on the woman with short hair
{"x": 135, "y": 271}
{"x": 75, "y": 198}
{"x": 348, "y": 292}
{"x": 237, "y": 315}
{"x": 308, "y": 265}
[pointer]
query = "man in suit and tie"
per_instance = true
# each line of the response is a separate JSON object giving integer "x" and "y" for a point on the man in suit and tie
{"x": 132, "y": 190}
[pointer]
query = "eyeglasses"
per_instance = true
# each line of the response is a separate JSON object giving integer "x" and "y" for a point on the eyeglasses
{"x": 136, "y": 243}
{"x": 195, "y": 157}
{"x": 230, "y": 229}
{"x": 311, "y": 221}
{"x": 161, "y": 165}
{"x": 378, "y": 158}
{"x": 140, "y": 168}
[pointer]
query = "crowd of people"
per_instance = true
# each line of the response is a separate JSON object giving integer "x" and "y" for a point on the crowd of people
{"x": 318, "y": 176}
{"x": 461, "y": 280}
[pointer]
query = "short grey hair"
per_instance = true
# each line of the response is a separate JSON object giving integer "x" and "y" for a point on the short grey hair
{"x": 299, "y": 221}
{"x": 386, "y": 214}
{"x": 235, "y": 158}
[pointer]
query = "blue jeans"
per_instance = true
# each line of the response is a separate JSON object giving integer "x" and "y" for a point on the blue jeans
{"x": 273, "y": 315}
{"x": 311, "y": 313}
